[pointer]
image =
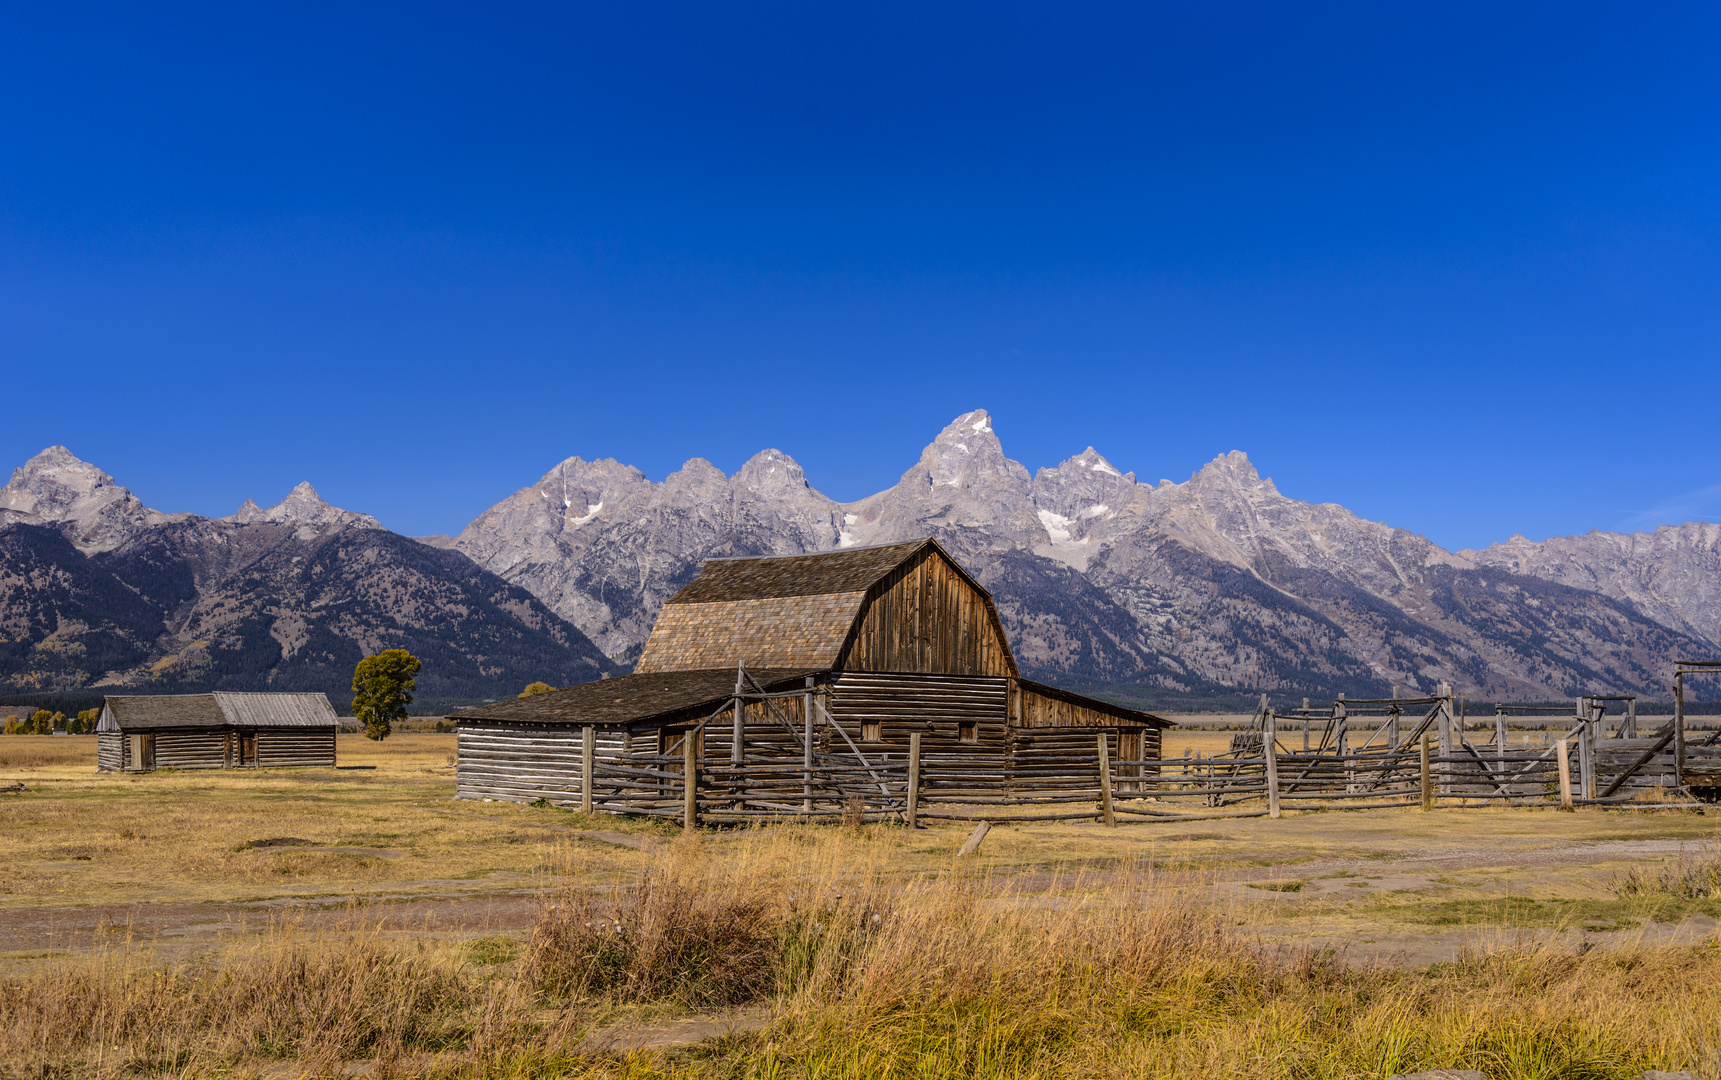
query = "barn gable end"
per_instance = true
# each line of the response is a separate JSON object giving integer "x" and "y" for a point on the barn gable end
{"x": 899, "y": 607}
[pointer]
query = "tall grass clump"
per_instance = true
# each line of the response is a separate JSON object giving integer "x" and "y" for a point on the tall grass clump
{"x": 670, "y": 938}
{"x": 1691, "y": 875}
{"x": 290, "y": 995}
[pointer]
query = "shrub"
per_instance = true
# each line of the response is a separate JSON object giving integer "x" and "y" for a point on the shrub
{"x": 669, "y": 939}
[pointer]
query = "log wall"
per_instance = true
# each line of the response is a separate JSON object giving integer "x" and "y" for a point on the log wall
{"x": 110, "y": 751}
{"x": 197, "y": 748}
{"x": 523, "y": 764}
{"x": 285, "y": 746}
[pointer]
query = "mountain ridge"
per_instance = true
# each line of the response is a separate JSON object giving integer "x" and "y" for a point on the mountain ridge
{"x": 1220, "y": 585}
{"x": 1218, "y": 581}
{"x": 98, "y": 592}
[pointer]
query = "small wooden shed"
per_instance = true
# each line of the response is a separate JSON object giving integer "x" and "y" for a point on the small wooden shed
{"x": 882, "y": 643}
{"x": 223, "y": 730}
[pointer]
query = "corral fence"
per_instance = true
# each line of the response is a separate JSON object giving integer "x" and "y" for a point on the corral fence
{"x": 1355, "y": 754}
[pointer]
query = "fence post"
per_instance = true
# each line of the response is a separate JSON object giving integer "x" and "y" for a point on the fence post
{"x": 807, "y": 753}
{"x": 1586, "y": 750}
{"x": 1565, "y": 775}
{"x": 1444, "y": 692}
{"x": 1427, "y": 777}
{"x": 689, "y": 782}
{"x": 1270, "y": 754}
{"x": 1679, "y": 728}
{"x": 588, "y": 750}
{"x": 913, "y": 778}
{"x": 1105, "y": 781}
{"x": 1500, "y": 738}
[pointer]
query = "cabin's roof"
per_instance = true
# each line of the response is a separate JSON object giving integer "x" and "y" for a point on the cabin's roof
{"x": 141, "y": 712}
{"x": 631, "y": 698}
{"x": 144, "y": 711}
{"x": 851, "y": 570}
{"x": 276, "y": 710}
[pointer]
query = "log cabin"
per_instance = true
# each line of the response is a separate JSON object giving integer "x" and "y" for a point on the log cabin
{"x": 849, "y": 652}
{"x": 144, "y": 732}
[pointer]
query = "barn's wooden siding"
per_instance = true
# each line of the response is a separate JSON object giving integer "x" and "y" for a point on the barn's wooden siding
{"x": 110, "y": 751}
{"x": 936, "y": 707}
{"x": 927, "y": 616}
{"x": 774, "y": 632}
{"x": 524, "y": 764}
{"x": 285, "y": 746}
{"x": 1035, "y": 707}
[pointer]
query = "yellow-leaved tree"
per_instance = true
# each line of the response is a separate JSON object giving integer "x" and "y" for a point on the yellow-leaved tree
{"x": 382, "y": 689}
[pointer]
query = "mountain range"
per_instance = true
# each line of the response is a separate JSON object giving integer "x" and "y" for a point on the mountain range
{"x": 98, "y": 592}
{"x": 1206, "y": 590}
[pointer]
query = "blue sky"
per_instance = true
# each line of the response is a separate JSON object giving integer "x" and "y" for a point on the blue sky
{"x": 1455, "y": 266}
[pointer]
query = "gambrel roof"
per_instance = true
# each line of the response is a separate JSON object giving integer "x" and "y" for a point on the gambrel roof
{"x": 796, "y": 611}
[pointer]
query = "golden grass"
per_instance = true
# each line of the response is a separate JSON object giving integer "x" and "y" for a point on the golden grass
{"x": 31, "y": 753}
{"x": 874, "y": 951}
{"x": 867, "y": 975}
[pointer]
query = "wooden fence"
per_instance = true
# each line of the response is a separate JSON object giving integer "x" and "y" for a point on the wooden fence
{"x": 1397, "y": 752}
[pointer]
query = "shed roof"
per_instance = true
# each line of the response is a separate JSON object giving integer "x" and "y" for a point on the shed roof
{"x": 630, "y": 698}
{"x": 142, "y": 712}
{"x": 145, "y": 711}
{"x": 276, "y": 710}
{"x": 1122, "y": 712}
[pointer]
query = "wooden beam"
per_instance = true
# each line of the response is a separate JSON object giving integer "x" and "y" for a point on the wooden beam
{"x": 974, "y": 839}
{"x": 1679, "y": 728}
{"x": 1105, "y": 781}
{"x": 1565, "y": 766}
{"x": 909, "y": 817}
{"x": 588, "y": 754}
{"x": 689, "y": 782}
{"x": 1427, "y": 778}
{"x": 1270, "y": 752}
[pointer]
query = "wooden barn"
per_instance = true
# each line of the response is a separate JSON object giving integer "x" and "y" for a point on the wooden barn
{"x": 838, "y": 659}
{"x": 138, "y": 733}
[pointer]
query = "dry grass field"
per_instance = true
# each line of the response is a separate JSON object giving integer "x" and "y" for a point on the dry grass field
{"x": 359, "y": 920}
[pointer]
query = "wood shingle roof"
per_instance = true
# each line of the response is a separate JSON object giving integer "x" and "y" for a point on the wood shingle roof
{"x": 629, "y": 698}
{"x": 853, "y": 570}
{"x": 141, "y": 712}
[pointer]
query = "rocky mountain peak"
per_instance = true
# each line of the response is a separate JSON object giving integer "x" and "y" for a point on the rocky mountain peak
{"x": 963, "y": 491}
{"x": 52, "y": 483}
{"x": 1234, "y": 470}
{"x": 57, "y": 488}
{"x": 304, "y": 508}
{"x": 967, "y": 454}
{"x": 771, "y": 472}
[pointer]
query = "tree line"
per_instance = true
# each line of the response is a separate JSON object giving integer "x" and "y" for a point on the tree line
{"x": 383, "y": 686}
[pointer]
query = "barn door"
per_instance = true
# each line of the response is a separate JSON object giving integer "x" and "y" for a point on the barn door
{"x": 247, "y": 749}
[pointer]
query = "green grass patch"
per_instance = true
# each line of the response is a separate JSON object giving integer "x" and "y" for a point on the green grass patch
{"x": 1280, "y": 886}
{"x": 1521, "y": 912}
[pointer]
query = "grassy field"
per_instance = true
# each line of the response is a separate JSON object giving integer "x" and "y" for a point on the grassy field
{"x": 328, "y": 922}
